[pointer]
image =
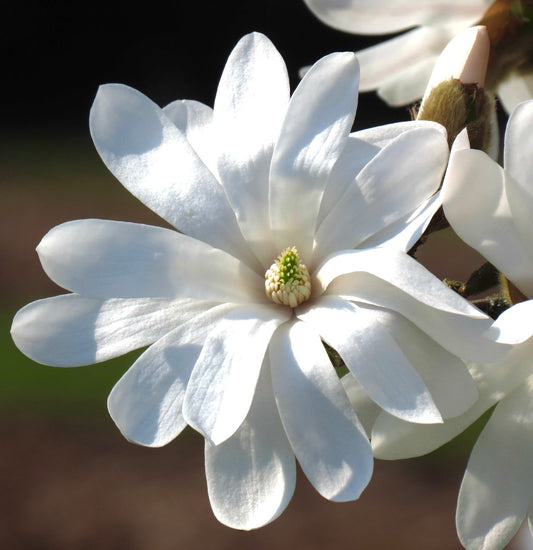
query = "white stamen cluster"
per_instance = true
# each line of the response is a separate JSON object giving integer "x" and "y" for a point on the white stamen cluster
{"x": 287, "y": 281}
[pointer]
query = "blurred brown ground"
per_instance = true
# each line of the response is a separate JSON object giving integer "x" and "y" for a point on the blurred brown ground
{"x": 73, "y": 487}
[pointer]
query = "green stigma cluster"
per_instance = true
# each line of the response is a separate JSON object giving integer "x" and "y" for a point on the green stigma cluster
{"x": 288, "y": 263}
{"x": 287, "y": 281}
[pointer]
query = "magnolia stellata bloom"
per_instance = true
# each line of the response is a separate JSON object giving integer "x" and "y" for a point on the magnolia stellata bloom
{"x": 399, "y": 68}
{"x": 497, "y": 490}
{"x": 490, "y": 208}
{"x": 272, "y": 196}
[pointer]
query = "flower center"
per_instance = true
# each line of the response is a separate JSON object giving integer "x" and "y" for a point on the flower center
{"x": 287, "y": 280}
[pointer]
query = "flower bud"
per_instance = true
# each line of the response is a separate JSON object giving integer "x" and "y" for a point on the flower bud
{"x": 455, "y": 96}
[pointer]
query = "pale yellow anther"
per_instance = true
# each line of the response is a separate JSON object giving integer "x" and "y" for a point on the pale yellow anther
{"x": 287, "y": 281}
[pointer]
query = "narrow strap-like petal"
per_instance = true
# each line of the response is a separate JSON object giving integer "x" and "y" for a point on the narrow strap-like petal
{"x": 356, "y": 154}
{"x": 402, "y": 176}
{"x": 195, "y": 120}
{"x": 250, "y": 107}
{"x": 328, "y": 440}
{"x": 398, "y": 269}
{"x": 514, "y": 90}
{"x": 223, "y": 382}
{"x": 384, "y": 16}
{"x": 366, "y": 410}
{"x": 373, "y": 357}
{"x": 498, "y": 483}
{"x": 447, "y": 377}
{"x": 514, "y": 324}
{"x": 362, "y": 146}
{"x": 518, "y": 162}
{"x": 72, "y": 330}
{"x": 408, "y": 85}
{"x": 520, "y": 199}
{"x": 518, "y": 150}
{"x": 476, "y": 205}
{"x": 153, "y": 159}
{"x": 251, "y": 476}
{"x": 405, "y": 232}
{"x": 393, "y": 438}
{"x": 111, "y": 259}
{"x": 387, "y": 61}
{"x": 146, "y": 403}
{"x": 316, "y": 128}
{"x": 394, "y": 280}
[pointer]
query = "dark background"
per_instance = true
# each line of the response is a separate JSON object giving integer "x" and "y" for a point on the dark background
{"x": 56, "y": 54}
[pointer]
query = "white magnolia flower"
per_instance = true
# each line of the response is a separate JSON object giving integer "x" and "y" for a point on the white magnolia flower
{"x": 399, "y": 68}
{"x": 490, "y": 209}
{"x": 238, "y": 357}
{"x": 497, "y": 489}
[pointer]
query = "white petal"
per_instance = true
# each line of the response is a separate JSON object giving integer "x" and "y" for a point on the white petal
{"x": 250, "y": 107}
{"x": 382, "y": 16}
{"x": 498, "y": 483}
{"x": 365, "y": 409}
{"x": 355, "y": 155}
{"x": 446, "y": 376}
{"x": 514, "y": 90}
{"x": 152, "y": 158}
{"x": 514, "y": 324}
{"x": 393, "y": 438}
{"x": 524, "y": 538}
{"x": 518, "y": 163}
{"x": 72, "y": 330}
{"x": 373, "y": 357}
{"x": 520, "y": 199}
{"x": 407, "y": 86}
{"x": 106, "y": 258}
{"x": 318, "y": 121}
{"x": 389, "y": 60}
{"x": 476, "y": 206}
{"x": 405, "y": 232}
{"x": 399, "y": 270}
{"x": 361, "y": 148}
{"x": 146, "y": 403}
{"x": 223, "y": 381}
{"x": 402, "y": 176}
{"x": 251, "y": 476}
{"x": 394, "y": 280}
{"x": 381, "y": 136}
{"x": 461, "y": 141}
{"x": 519, "y": 143}
{"x": 195, "y": 120}
{"x": 327, "y": 439}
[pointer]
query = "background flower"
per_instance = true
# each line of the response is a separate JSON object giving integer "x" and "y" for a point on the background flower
{"x": 497, "y": 488}
{"x": 492, "y": 212}
{"x": 489, "y": 207}
{"x": 399, "y": 68}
